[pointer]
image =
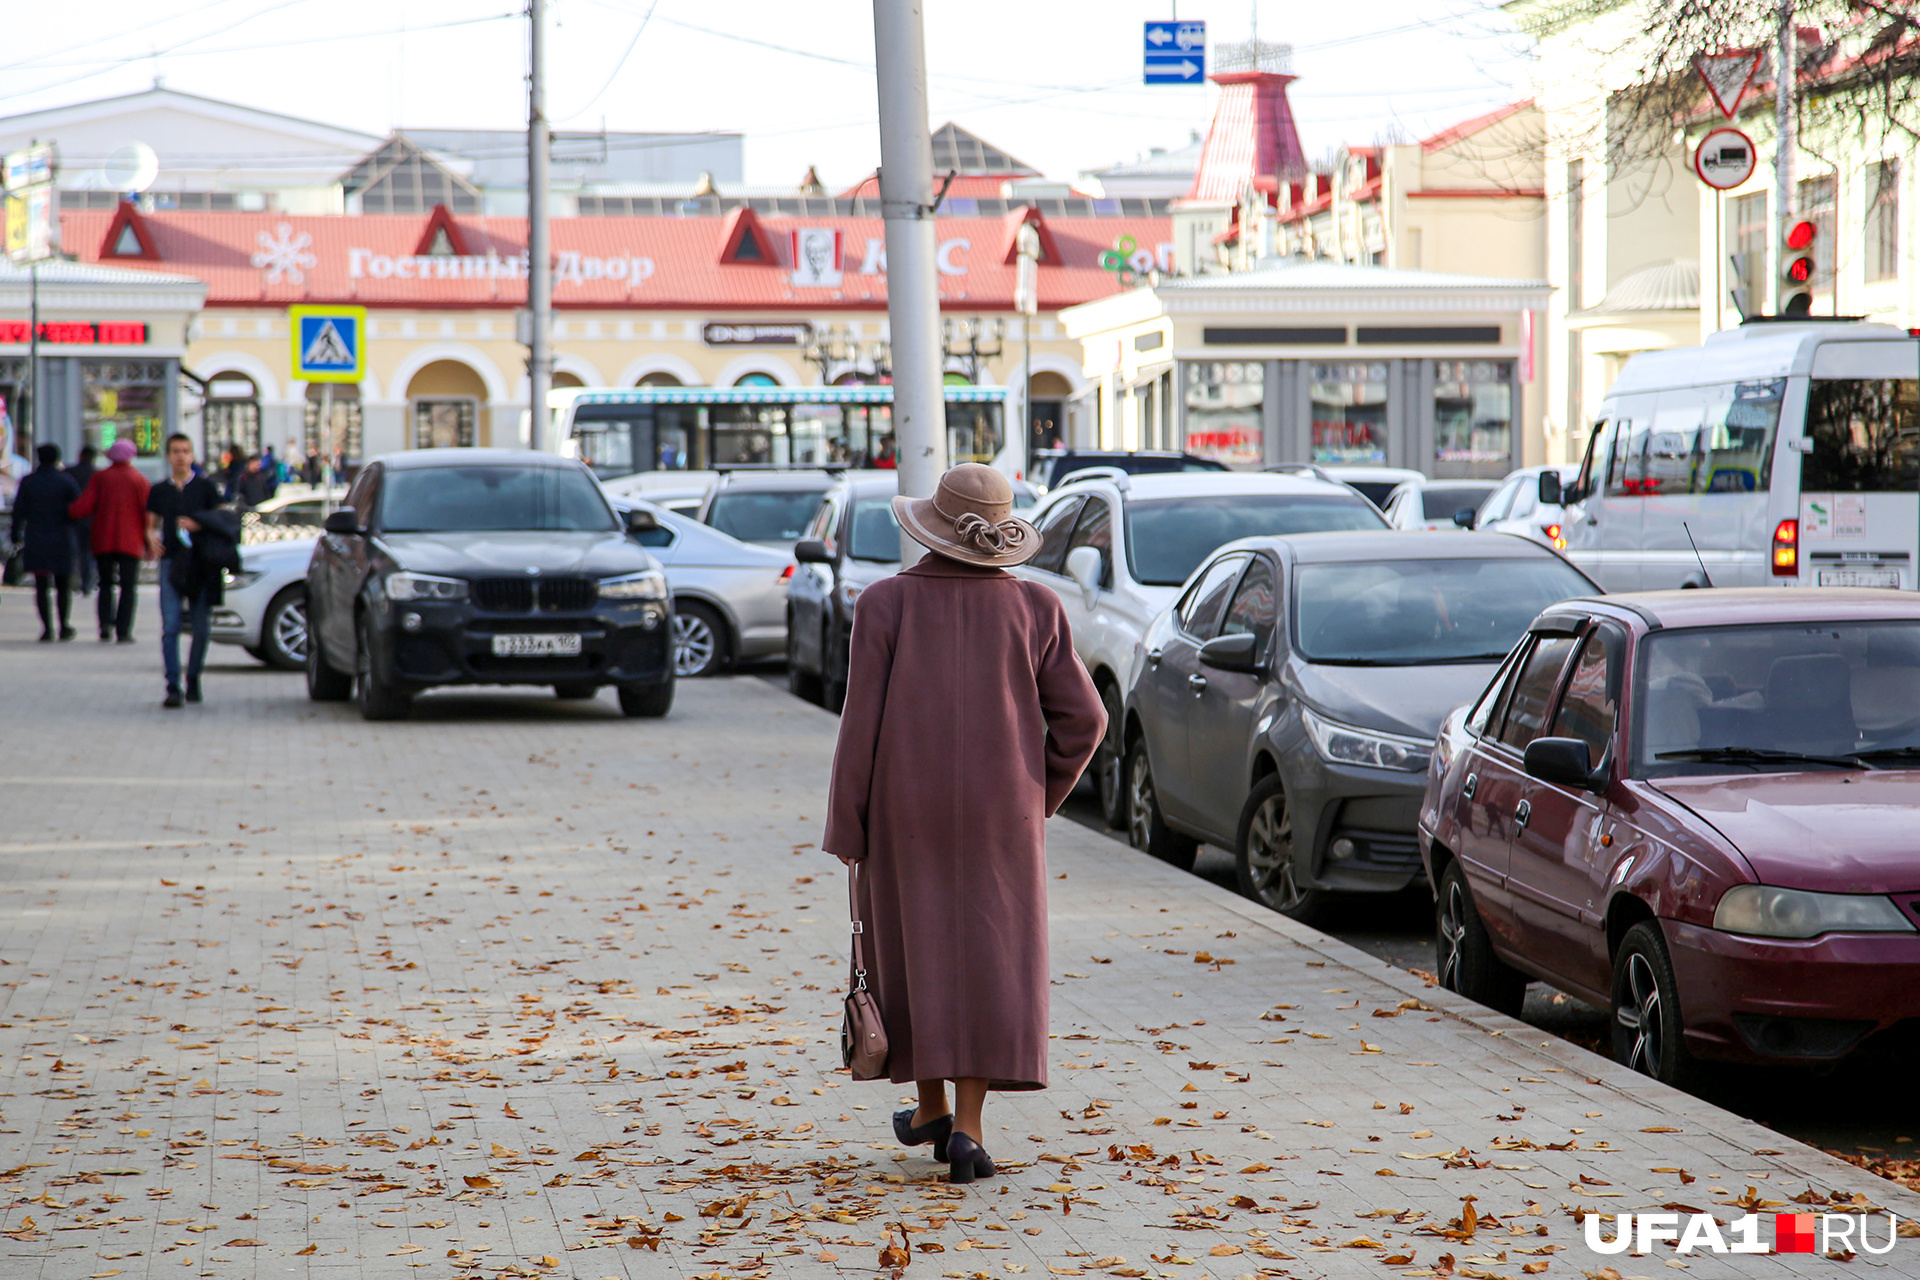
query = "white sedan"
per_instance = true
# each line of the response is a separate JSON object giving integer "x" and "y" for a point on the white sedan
{"x": 1437, "y": 504}
{"x": 265, "y": 609}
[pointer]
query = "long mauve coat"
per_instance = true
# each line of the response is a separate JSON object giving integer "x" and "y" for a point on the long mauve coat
{"x": 968, "y": 719}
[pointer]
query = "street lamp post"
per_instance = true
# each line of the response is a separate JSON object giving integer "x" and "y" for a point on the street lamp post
{"x": 539, "y": 248}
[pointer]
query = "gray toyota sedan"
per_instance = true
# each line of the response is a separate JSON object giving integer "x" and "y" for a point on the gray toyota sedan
{"x": 1285, "y": 706}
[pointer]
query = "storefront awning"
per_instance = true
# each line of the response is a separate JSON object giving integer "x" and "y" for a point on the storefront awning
{"x": 777, "y": 395}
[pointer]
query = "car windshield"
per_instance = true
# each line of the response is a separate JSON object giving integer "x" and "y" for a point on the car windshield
{"x": 1406, "y": 613}
{"x": 1440, "y": 504}
{"x": 874, "y": 534}
{"x": 492, "y": 499}
{"x": 1779, "y": 696}
{"x": 778, "y": 516}
{"x": 1167, "y": 538}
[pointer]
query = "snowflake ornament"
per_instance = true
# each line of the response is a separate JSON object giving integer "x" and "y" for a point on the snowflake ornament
{"x": 285, "y": 254}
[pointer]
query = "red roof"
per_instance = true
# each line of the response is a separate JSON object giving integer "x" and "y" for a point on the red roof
{"x": 1467, "y": 128}
{"x": 1252, "y": 139}
{"x": 979, "y": 186}
{"x": 652, "y": 264}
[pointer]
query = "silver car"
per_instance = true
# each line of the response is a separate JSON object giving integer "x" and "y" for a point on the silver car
{"x": 729, "y": 596}
{"x": 265, "y": 606}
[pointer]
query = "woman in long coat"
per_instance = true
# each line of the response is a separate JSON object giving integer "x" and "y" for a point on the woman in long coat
{"x": 968, "y": 718}
{"x": 45, "y": 533}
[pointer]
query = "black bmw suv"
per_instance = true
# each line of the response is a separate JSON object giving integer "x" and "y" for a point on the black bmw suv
{"x": 484, "y": 566}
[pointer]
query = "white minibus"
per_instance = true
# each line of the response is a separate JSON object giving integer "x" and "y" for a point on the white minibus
{"x": 1781, "y": 452}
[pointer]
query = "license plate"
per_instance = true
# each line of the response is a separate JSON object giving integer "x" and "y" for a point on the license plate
{"x": 1860, "y": 577}
{"x": 536, "y": 646}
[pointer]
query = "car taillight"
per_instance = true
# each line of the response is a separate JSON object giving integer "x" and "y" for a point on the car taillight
{"x": 1553, "y": 537}
{"x": 1786, "y": 549}
{"x": 786, "y": 574}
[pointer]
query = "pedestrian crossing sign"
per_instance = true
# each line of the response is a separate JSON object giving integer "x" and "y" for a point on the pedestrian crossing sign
{"x": 329, "y": 343}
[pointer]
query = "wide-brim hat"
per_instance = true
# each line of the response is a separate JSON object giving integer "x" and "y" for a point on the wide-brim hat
{"x": 970, "y": 518}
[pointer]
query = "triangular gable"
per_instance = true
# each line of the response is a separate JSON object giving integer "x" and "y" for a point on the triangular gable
{"x": 442, "y": 237}
{"x": 957, "y": 150}
{"x": 128, "y": 236}
{"x": 744, "y": 242}
{"x": 1010, "y": 248}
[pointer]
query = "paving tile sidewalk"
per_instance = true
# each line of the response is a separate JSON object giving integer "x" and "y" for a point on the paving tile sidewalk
{"x": 524, "y": 988}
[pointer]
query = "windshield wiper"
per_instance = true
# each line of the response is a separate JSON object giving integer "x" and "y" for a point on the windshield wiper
{"x": 1889, "y": 753}
{"x": 1760, "y": 755}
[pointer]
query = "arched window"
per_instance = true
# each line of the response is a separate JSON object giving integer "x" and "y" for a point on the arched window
{"x": 755, "y": 380}
{"x": 232, "y": 415}
{"x": 445, "y": 398}
{"x": 659, "y": 380}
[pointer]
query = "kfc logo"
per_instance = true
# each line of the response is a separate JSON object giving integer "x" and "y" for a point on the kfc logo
{"x": 817, "y": 258}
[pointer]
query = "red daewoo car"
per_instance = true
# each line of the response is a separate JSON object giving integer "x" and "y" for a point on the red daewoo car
{"x": 1698, "y": 809}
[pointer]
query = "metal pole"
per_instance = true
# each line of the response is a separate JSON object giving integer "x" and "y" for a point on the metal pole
{"x": 1783, "y": 141}
{"x": 32, "y": 414}
{"x": 913, "y": 293}
{"x": 539, "y": 249}
{"x": 1026, "y": 396}
{"x": 323, "y": 441}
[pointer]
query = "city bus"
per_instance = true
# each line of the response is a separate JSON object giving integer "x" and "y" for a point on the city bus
{"x": 626, "y": 431}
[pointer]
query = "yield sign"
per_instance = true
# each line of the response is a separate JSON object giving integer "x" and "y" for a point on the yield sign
{"x": 1728, "y": 75}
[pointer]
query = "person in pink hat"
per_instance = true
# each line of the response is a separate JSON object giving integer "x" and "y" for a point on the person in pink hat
{"x": 116, "y": 498}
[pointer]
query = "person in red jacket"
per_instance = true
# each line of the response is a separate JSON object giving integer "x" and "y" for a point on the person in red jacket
{"x": 116, "y": 498}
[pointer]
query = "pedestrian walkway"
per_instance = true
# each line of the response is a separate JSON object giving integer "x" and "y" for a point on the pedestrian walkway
{"x": 523, "y": 988}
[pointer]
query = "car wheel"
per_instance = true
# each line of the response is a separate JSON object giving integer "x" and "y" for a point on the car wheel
{"x": 576, "y": 690}
{"x": 1146, "y": 830}
{"x": 378, "y": 696}
{"x": 699, "y": 640}
{"x": 324, "y": 683}
{"x": 1647, "y": 1028}
{"x": 1464, "y": 953}
{"x": 283, "y": 632}
{"x": 1263, "y": 856}
{"x": 1109, "y": 762}
{"x": 801, "y": 683}
{"x": 648, "y": 701}
{"x": 833, "y": 679}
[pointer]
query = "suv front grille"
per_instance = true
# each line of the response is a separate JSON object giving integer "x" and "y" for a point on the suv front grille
{"x": 567, "y": 595}
{"x": 504, "y": 595}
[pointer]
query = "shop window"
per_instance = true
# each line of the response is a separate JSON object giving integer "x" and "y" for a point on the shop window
{"x": 1224, "y": 403}
{"x": 755, "y": 380}
{"x": 125, "y": 400}
{"x": 1472, "y": 418}
{"x": 1350, "y": 412}
{"x": 443, "y": 424}
{"x": 659, "y": 380}
{"x": 339, "y": 435}
{"x": 231, "y": 416}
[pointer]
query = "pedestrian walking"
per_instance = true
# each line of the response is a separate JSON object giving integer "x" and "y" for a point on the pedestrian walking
{"x": 114, "y": 503}
{"x": 44, "y": 531}
{"x": 968, "y": 719}
{"x": 175, "y": 508}
{"x": 83, "y": 568}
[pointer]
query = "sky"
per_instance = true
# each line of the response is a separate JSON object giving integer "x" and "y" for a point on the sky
{"x": 1055, "y": 83}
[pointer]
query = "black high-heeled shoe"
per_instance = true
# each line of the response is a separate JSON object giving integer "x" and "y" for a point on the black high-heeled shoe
{"x": 967, "y": 1160}
{"x": 934, "y": 1131}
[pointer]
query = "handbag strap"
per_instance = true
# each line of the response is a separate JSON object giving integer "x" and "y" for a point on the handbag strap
{"x": 859, "y": 929}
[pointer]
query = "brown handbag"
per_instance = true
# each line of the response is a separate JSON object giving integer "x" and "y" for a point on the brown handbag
{"x": 863, "y": 1036}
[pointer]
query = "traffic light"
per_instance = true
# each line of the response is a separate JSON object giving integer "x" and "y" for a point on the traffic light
{"x": 1796, "y": 269}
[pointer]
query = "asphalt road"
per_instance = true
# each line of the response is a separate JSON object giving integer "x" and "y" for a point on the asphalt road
{"x": 1799, "y": 1103}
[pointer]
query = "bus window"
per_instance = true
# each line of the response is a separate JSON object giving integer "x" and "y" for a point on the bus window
{"x": 1865, "y": 434}
{"x": 1736, "y": 442}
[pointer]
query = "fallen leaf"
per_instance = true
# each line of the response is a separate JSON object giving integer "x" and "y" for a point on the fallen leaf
{"x": 301, "y": 1253}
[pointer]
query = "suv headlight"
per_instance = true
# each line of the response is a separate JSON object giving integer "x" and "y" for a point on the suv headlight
{"x": 1766, "y": 911}
{"x": 1343, "y": 744}
{"x": 424, "y": 586}
{"x": 234, "y": 581}
{"x": 650, "y": 585}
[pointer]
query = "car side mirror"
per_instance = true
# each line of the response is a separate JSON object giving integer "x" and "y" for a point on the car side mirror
{"x": 641, "y": 520}
{"x": 1085, "y": 568}
{"x": 1465, "y": 517}
{"x": 342, "y": 520}
{"x": 812, "y": 551}
{"x": 1563, "y": 762}
{"x": 1552, "y": 492}
{"x": 1232, "y": 653}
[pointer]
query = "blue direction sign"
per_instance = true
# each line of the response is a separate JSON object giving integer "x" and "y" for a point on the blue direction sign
{"x": 1176, "y": 52}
